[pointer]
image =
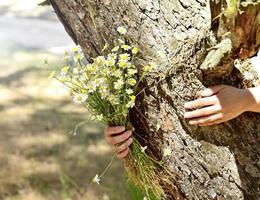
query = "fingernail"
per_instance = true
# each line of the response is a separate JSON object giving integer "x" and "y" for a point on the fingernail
{"x": 186, "y": 115}
{"x": 199, "y": 93}
{"x": 128, "y": 133}
{"x": 192, "y": 122}
{"x": 206, "y": 92}
{"x": 186, "y": 105}
{"x": 122, "y": 128}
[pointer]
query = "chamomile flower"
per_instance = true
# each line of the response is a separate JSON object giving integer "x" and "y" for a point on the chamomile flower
{"x": 150, "y": 67}
{"x": 117, "y": 73}
{"x": 129, "y": 91}
{"x": 125, "y": 47}
{"x": 88, "y": 67}
{"x": 76, "y": 49}
{"x": 99, "y": 117}
{"x": 77, "y": 57}
{"x": 122, "y": 30}
{"x": 121, "y": 41}
{"x": 75, "y": 70}
{"x": 132, "y": 98}
{"x": 65, "y": 70}
{"x": 83, "y": 76}
{"x": 105, "y": 71}
{"x": 103, "y": 92}
{"x": 124, "y": 57}
{"x": 118, "y": 84}
{"x": 99, "y": 81}
{"x": 115, "y": 49}
{"x": 110, "y": 62}
{"x": 91, "y": 87}
{"x": 131, "y": 81}
{"x": 96, "y": 179}
{"x": 80, "y": 98}
{"x": 122, "y": 64}
{"x": 130, "y": 104}
{"x": 147, "y": 68}
{"x": 132, "y": 72}
{"x": 135, "y": 50}
{"x": 100, "y": 60}
{"x": 143, "y": 149}
{"x": 91, "y": 68}
{"x": 112, "y": 56}
{"x": 167, "y": 152}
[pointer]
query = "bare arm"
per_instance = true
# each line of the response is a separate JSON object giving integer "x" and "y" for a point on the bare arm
{"x": 222, "y": 103}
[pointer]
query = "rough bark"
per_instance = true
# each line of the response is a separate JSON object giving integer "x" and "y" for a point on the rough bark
{"x": 218, "y": 162}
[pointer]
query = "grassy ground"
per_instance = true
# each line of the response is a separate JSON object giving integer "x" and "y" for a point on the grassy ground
{"x": 39, "y": 159}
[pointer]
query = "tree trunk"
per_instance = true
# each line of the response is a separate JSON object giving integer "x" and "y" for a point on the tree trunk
{"x": 191, "y": 42}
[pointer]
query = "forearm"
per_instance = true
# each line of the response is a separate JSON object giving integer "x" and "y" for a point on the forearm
{"x": 254, "y": 99}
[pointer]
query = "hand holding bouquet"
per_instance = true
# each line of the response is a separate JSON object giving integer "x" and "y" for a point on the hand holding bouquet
{"x": 108, "y": 88}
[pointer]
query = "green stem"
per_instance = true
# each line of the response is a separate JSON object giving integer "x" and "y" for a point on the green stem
{"x": 108, "y": 166}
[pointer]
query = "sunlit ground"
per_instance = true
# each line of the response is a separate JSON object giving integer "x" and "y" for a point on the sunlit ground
{"x": 39, "y": 159}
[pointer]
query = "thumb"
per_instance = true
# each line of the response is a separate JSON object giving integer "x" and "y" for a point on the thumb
{"x": 211, "y": 90}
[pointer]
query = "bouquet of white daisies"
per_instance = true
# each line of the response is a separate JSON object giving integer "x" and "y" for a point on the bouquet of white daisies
{"x": 108, "y": 88}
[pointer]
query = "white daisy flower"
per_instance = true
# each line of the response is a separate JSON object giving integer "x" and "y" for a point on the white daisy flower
{"x": 129, "y": 91}
{"x": 122, "y": 30}
{"x": 76, "y": 48}
{"x": 118, "y": 84}
{"x": 131, "y": 81}
{"x": 117, "y": 73}
{"x": 167, "y": 152}
{"x": 130, "y": 104}
{"x": 99, "y": 117}
{"x": 110, "y": 62}
{"x": 100, "y": 60}
{"x": 125, "y": 47}
{"x": 135, "y": 50}
{"x": 124, "y": 57}
{"x": 132, "y": 72}
{"x": 80, "y": 98}
{"x": 65, "y": 70}
{"x": 115, "y": 49}
{"x": 96, "y": 179}
{"x": 91, "y": 87}
{"x": 75, "y": 70}
{"x": 143, "y": 149}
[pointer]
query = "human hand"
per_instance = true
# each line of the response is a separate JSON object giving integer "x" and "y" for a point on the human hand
{"x": 119, "y": 140}
{"x": 218, "y": 104}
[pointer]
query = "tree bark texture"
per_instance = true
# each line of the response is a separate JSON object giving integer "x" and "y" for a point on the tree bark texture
{"x": 195, "y": 44}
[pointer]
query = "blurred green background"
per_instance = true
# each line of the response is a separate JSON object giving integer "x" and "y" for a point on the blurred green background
{"x": 39, "y": 159}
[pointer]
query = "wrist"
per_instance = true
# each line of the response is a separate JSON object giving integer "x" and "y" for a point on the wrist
{"x": 252, "y": 99}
